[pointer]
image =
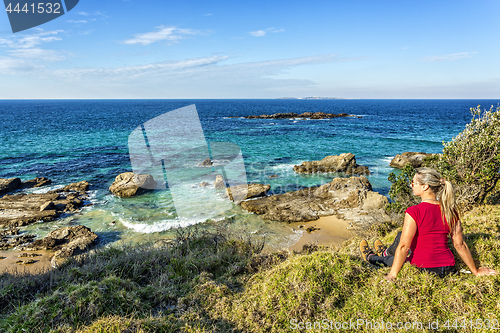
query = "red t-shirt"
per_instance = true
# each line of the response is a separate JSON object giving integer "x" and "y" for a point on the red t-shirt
{"x": 430, "y": 244}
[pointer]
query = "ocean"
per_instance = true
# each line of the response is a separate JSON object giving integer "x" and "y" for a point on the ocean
{"x": 73, "y": 140}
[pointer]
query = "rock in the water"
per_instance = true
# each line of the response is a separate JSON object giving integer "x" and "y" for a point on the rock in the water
{"x": 206, "y": 163}
{"x": 311, "y": 115}
{"x": 36, "y": 182}
{"x": 415, "y": 159}
{"x": 82, "y": 186}
{"x": 345, "y": 163}
{"x": 219, "y": 182}
{"x": 12, "y": 184}
{"x": 22, "y": 209}
{"x": 242, "y": 192}
{"x": 9, "y": 232}
{"x": 342, "y": 196}
{"x": 129, "y": 184}
{"x": 204, "y": 184}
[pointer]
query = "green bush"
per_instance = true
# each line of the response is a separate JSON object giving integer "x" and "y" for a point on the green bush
{"x": 471, "y": 160}
{"x": 401, "y": 193}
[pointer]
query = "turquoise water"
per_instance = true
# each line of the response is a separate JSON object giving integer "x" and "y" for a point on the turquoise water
{"x": 73, "y": 140}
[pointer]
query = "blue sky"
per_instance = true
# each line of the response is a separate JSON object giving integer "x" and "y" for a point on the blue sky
{"x": 258, "y": 49}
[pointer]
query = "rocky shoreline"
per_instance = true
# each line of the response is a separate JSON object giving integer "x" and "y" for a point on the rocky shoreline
{"x": 21, "y": 209}
{"x": 347, "y": 199}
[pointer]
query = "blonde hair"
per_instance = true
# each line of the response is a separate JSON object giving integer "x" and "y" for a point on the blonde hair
{"x": 444, "y": 192}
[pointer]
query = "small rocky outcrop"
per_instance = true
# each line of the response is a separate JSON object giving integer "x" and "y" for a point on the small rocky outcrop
{"x": 242, "y": 192}
{"x": 65, "y": 241}
{"x": 206, "y": 163}
{"x": 310, "y": 115}
{"x": 8, "y": 185}
{"x": 219, "y": 182}
{"x": 129, "y": 184}
{"x": 351, "y": 198}
{"x": 415, "y": 159}
{"x": 23, "y": 209}
{"x": 345, "y": 163}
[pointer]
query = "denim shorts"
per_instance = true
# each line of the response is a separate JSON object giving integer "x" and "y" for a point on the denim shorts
{"x": 440, "y": 271}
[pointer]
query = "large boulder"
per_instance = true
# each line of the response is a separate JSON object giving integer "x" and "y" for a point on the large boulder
{"x": 345, "y": 163}
{"x": 352, "y": 196}
{"x": 23, "y": 209}
{"x": 130, "y": 184}
{"x": 9, "y": 184}
{"x": 415, "y": 159}
{"x": 242, "y": 192}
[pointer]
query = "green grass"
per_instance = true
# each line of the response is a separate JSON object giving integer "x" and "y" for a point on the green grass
{"x": 214, "y": 282}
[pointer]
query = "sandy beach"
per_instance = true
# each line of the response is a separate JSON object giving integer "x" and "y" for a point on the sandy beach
{"x": 41, "y": 261}
{"x": 331, "y": 231}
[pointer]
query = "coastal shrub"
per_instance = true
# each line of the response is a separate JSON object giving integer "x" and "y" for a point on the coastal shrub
{"x": 401, "y": 193}
{"x": 471, "y": 160}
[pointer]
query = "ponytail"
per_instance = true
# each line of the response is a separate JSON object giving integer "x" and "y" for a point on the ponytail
{"x": 445, "y": 193}
{"x": 449, "y": 207}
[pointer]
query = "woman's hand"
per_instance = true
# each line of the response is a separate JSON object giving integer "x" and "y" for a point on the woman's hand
{"x": 389, "y": 277}
{"x": 485, "y": 271}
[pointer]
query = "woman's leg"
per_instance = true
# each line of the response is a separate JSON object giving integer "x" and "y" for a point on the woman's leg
{"x": 386, "y": 261}
{"x": 391, "y": 250}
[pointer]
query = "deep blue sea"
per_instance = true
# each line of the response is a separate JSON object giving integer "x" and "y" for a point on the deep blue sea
{"x": 74, "y": 140}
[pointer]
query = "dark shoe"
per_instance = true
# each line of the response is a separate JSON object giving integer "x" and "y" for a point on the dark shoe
{"x": 379, "y": 248}
{"x": 365, "y": 250}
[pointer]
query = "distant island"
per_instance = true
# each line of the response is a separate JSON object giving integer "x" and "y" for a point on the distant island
{"x": 312, "y": 97}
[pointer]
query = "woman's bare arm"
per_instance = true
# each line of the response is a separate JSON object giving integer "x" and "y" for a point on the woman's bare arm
{"x": 409, "y": 229}
{"x": 464, "y": 253}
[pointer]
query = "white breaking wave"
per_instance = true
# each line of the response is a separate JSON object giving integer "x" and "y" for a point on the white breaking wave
{"x": 283, "y": 166}
{"x": 157, "y": 226}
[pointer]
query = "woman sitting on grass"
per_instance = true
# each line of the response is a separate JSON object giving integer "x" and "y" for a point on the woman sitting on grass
{"x": 425, "y": 232}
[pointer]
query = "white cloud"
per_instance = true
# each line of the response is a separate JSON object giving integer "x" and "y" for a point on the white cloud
{"x": 37, "y": 53}
{"x": 207, "y": 77}
{"x": 258, "y": 33}
{"x": 262, "y": 33}
{"x": 171, "y": 34}
{"x": 155, "y": 69}
{"x": 273, "y": 30}
{"x": 449, "y": 57}
{"x": 83, "y": 13}
{"x": 11, "y": 66}
{"x": 77, "y": 21}
{"x": 208, "y": 14}
{"x": 27, "y": 46}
